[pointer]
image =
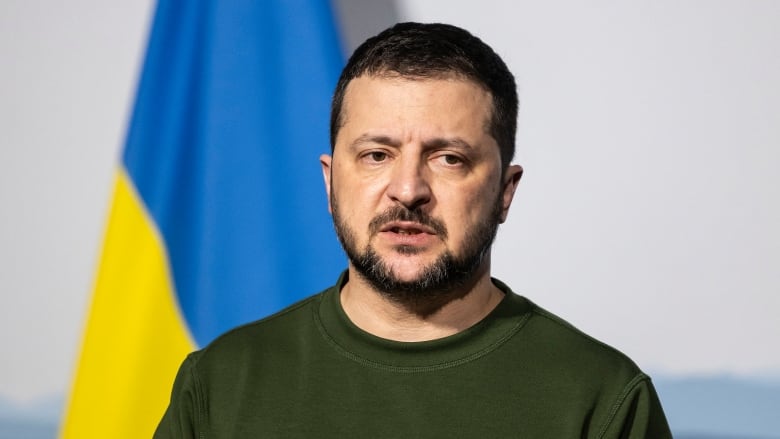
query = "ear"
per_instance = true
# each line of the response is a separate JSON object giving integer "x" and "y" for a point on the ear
{"x": 325, "y": 161}
{"x": 511, "y": 180}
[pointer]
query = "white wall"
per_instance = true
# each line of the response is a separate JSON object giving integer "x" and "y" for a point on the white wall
{"x": 648, "y": 215}
{"x": 67, "y": 78}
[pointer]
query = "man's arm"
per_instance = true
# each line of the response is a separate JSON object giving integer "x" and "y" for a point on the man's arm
{"x": 637, "y": 414}
{"x": 181, "y": 418}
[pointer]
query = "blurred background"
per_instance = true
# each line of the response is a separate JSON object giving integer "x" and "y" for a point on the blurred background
{"x": 648, "y": 215}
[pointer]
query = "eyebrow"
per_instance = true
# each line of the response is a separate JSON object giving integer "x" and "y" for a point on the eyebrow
{"x": 438, "y": 142}
{"x": 372, "y": 138}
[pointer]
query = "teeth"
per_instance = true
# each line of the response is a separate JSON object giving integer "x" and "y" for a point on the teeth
{"x": 404, "y": 232}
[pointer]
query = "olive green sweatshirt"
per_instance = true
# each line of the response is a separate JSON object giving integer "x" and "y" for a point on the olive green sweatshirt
{"x": 309, "y": 372}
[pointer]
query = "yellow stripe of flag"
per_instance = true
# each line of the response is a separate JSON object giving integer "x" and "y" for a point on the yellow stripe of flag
{"x": 135, "y": 336}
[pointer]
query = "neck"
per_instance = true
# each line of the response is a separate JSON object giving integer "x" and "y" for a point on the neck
{"x": 379, "y": 315}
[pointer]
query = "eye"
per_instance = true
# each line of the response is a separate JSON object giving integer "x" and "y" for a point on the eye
{"x": 377, "y": 156}
{"x": 450, "y": 159}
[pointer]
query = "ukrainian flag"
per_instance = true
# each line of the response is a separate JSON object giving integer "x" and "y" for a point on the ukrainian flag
{"x": 219, "y": 214}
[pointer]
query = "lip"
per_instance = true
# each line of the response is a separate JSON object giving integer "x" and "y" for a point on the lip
{"x": 417, "y": 235}
{"x": 413, "y": 228}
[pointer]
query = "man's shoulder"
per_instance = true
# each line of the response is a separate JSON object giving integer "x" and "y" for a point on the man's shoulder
{"x": 279, "y": 329}
{"x": 293, "y": 314}
{"x": 563, "y": 361}
{"x": 553, "y": 337}
{"x": 547, "y": 335}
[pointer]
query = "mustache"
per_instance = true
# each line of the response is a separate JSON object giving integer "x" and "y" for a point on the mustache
{"x": 399, "y": 213}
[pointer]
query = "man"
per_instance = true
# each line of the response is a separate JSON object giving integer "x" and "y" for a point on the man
{"x": 415, "y": 339}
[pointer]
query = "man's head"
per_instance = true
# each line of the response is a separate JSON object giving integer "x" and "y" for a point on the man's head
{"x": 431, "y": 51}
{"x": 417, "y": 182}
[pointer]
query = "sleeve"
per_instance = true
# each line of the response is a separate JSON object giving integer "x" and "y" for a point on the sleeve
{"x": 637, "y": 413}
{"x": 181, "y": 418}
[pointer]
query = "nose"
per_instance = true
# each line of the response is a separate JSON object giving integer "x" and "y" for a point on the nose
{"x": 408, "y": 183}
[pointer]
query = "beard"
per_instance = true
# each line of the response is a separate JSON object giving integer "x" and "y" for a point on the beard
{"x": 437, "y": 283}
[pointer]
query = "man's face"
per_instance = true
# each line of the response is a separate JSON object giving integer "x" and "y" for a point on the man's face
{"x": 415, "y": 183}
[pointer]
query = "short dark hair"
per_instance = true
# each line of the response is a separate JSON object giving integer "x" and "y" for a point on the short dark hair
{"x": 433, "y": 50}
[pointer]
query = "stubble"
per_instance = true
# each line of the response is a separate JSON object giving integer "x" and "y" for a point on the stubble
{"x": 445, "y": 279}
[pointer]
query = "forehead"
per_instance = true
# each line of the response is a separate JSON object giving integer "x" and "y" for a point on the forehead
{"x": 403, "y": 106}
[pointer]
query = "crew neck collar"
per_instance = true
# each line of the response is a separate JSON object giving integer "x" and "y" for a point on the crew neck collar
{"x": 506, "y": 319}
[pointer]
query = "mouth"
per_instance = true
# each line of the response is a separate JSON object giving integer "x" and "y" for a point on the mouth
{"x": 407, "y": 228}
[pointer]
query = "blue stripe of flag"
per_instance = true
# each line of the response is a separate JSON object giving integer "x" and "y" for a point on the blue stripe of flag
{"x": 223, "y": 147}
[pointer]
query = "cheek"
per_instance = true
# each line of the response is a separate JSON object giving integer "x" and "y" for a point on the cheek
{"x": 356, "y": 203}
{"x": 460, "y": 210}
{"x": 474, "y": 202}
{"x": 463, "y": 210}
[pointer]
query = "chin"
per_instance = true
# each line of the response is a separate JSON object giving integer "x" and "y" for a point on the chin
{"x": 407, "y": 276}
{"x": 408, "y": 268}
